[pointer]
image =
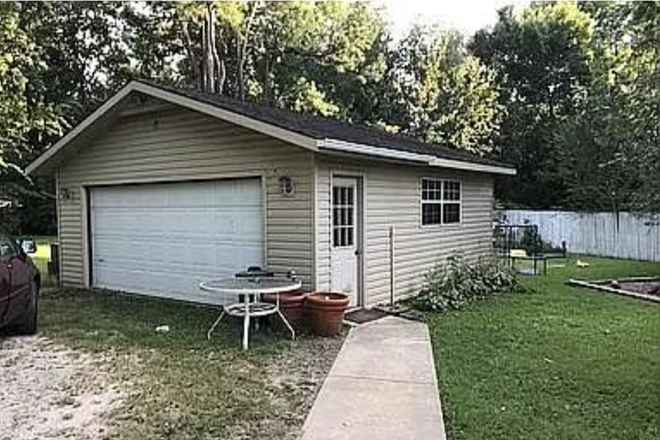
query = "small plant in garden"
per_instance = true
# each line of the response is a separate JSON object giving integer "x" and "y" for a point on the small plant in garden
{"x": 457, "y": 283}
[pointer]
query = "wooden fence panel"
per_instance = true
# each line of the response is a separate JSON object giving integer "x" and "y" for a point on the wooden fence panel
{"x": 625, "y": 235}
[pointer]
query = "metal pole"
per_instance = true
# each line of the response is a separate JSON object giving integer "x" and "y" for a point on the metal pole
{"x": 392, "y": 266}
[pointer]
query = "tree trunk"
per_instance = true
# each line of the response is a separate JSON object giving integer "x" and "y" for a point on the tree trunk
{"x": 242, "y": 51}
{"x": 222, "y": 70}
{"x": 208, "y": 45}
{"x": 189, "y": 47}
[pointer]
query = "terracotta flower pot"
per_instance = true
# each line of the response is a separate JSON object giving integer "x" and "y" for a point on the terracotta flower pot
{"x": 326, "y": 312}
{"x": 291, "y": 305}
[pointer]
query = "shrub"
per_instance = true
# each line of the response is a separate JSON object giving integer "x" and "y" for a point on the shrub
{"x": 457, "y": 283}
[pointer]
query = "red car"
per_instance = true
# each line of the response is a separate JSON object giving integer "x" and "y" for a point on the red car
{"x": 19, "y": 287}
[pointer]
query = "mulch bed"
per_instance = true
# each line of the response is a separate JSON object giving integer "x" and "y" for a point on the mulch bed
{"x": 641, "y": 288}
{"x": 645, "y": 287}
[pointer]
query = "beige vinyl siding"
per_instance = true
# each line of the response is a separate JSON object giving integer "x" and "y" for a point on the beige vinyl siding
{"x": 392, "y": 198}
{"x": 174, "y": 144}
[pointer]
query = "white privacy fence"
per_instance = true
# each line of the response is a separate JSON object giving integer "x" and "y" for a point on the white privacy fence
{"x": 605, "y": 234}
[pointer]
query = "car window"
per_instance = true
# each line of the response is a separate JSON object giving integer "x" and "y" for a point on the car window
{"x": 7, "y": 246}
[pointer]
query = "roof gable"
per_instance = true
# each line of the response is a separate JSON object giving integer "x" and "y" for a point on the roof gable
{"x": 307, "y": 131}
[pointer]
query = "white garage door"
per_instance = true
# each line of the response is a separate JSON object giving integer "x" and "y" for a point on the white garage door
{"x": 163, "y": 239}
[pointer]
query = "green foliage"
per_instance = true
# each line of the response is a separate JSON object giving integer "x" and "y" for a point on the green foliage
{"x": 20, "y": 111}
{"x": 58, "y": 60}
{"x": 542, "y": 60}
{"x": 609, "y": 156}
{"x": 450, "y": 97}
{"x": 531, "y": 241}
{"x": 580, "y": 86}
{"x": 457, "y": 283}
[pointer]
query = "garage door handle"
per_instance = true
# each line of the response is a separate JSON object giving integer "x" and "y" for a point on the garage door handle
{"x": 101, "y": 260}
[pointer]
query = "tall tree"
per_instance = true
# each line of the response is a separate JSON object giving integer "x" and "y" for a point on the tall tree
{"x": 450, "y": 96}
{"x": 542, "y": 58}
{"x": 58, "y": 60}
{"x": 609, "y": 151}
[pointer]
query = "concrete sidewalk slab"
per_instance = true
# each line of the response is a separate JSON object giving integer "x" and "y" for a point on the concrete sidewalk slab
{"x": 382, "y": 386}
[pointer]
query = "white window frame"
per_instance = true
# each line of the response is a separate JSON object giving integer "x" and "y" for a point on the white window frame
{"x": 440, "y": 202}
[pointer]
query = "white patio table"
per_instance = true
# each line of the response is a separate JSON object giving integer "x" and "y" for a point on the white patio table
{"x": 251, "y": 290}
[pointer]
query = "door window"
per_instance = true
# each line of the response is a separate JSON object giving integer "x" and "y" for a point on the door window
{"x": 343, "y": 216}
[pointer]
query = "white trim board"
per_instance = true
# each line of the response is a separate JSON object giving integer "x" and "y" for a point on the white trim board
{"x": 426, "y": 159}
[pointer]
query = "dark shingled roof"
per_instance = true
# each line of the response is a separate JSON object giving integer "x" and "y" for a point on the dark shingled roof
{"x": 325, "y": 128}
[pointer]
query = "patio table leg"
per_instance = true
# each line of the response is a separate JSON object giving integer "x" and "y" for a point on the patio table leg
{"x": 215, "y": 324}
{"x": 286, "y": 322}
{"x": 246, "y": 325}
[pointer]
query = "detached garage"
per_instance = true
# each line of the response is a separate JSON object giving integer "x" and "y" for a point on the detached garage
{"x": 161, "y": 188}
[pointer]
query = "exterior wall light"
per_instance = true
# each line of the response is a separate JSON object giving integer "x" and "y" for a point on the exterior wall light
{"x": 64, "y": 194}
{"x": 286, "y": 186}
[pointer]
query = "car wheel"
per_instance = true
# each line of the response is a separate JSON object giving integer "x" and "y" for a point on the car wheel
{"x": 27, "y": 324}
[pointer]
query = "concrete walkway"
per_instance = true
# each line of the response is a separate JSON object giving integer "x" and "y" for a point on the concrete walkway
{"x": 382, "y": 386}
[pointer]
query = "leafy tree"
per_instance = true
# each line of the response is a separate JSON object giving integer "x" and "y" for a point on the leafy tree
{"x": 438, "y": 93}
{"x": 610, "y": 156}
{"x": 58, "y": 60}
{"x": 542, "y": 57}
{"x": 21, "y": 112}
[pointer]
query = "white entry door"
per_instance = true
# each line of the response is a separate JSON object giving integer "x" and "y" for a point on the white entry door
{"x": 344, "y": 271}
{"x": 164, "y": 239}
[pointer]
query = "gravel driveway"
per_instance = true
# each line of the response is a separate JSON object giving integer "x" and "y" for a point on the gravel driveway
{"x": 51, "y": 392}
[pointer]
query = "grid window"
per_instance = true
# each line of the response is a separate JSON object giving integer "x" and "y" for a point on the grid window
{"x": 343, "y": 216}
{"x": 451, "y": 213}
{"x": 441, "y": 202}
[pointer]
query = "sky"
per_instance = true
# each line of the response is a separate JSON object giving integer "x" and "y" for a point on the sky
{"x": 467, "y": 16}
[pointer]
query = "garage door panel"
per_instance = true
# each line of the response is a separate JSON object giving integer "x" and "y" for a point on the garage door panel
{"x": 165, "y": 239}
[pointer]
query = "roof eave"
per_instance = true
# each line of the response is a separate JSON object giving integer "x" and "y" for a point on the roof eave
{"x": 407, "y": 156}
{"x": 42, "y": 164}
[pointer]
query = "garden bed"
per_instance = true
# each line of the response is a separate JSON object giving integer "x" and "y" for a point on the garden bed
{"x": 646, "y": 288}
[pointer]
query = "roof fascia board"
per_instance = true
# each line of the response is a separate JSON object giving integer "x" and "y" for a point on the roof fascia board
{"x": 350, "y": 147}
{"x": 471, "y": 166}
{"x": 70, "y": 136}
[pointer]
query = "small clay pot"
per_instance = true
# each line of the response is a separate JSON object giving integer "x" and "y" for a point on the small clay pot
{"x": 291, "y": 305}
{"x": 326, "y": 312}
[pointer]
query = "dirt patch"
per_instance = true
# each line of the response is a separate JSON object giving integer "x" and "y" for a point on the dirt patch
{"x": 295, "y": 378}
{"x": 52, "y": 392}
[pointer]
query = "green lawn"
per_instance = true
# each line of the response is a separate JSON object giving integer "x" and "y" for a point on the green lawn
{"x": 181, "y": 385}
{"x": 555, "y": 362}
